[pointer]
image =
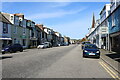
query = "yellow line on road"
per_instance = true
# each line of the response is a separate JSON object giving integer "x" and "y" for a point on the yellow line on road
{"x": 111, "y": 71}
{"x": 107, "y": 70}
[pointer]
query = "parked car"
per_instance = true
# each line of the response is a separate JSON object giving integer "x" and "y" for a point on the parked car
{"x": 85, "y": 42}
{"x": 48, "y": 44}
{"x": 44, "y": 45}
{"x": 62, "y": 44}
{"x": 91, "y": 50}
{"x": 58, "y": 44}
{"x": 66, "y": 44}
{"x": 12, "y": 48}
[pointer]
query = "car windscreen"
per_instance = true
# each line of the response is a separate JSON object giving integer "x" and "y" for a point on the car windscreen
{"x": 91, "y": 46}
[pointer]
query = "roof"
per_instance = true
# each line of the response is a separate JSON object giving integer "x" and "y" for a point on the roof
{"x": 40, "y": 26}
{"x": 4, "y": 19}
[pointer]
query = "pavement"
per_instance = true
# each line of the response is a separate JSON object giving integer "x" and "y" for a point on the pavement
{"x": 56, "y": 62}
{"x": 112, "y": 59}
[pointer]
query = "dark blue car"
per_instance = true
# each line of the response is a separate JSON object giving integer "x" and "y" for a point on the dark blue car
{"x": 12, "y": 48}
{"x": 91, "y": 50}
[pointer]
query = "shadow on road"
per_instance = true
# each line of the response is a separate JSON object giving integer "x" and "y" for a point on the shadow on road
{"x": 5, "y": 57}
{"x": 115, "y": 56}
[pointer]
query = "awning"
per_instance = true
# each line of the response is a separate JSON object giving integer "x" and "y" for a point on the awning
{"x": 5, "y": 38}
{"x": 115, "y": 34}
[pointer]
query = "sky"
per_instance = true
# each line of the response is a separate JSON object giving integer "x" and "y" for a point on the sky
{"x": 71, "y": 19}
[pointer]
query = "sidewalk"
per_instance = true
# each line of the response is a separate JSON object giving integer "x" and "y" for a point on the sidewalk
{"x": 111, "y": 58}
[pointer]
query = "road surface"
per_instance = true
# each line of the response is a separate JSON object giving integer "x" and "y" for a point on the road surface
{"x": 56, "y": 62}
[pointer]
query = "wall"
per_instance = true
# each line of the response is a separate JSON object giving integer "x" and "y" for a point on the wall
{"x": 1, "y": 29}
{"x": 19, "y": 35}
{"x": 9, "y": 32}
{"x": 1, "y": 36}
{"x": 116, "y": 17}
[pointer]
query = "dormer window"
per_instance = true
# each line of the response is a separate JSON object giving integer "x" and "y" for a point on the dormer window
{"x": 11, "y": 18}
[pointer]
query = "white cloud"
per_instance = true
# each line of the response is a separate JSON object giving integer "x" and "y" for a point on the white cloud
{"x": 53, "y": 14}
{"x": 60, "y": 4}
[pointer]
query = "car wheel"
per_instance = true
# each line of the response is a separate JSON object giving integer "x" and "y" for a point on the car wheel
{"x": 10, "y": 51}
{"x": 21, "y": 50}
{"x": 83, "y": 55}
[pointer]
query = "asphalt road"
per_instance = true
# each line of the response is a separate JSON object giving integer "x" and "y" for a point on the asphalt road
{"x": 56, "y": 62}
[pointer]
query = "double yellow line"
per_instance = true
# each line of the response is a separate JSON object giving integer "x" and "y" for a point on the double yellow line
{"x": 113, "y": 74}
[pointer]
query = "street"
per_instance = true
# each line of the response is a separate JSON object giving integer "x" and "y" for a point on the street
{"x": 56, "y": 62}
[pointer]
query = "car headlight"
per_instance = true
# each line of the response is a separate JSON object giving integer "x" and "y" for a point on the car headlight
{"x": 97, "y": 51}
{"x": 2, "y": 50}
{"x": 85, "y": 51}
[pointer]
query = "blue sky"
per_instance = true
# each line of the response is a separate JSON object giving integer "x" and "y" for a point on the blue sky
{"x": 69, "y": 18}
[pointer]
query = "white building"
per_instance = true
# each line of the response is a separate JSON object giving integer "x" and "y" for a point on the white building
{"x": 98, "y": 34}
{"x": 114, "y": 4}
{"x": 104, "y": 25}
{"x": 49, "y": 34}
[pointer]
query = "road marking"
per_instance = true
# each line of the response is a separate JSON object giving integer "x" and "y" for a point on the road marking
{"x": 109, "y": 71}
{"x": 112, "y": 71}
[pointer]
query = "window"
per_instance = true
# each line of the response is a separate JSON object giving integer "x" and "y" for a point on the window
{"x": 24, "y": 31}
{"x": 24, "y": 23}
{"x": 15, "y": 29}
{"x": 113, "y": 20}
{"x": 5, "y": 28}
{"x": 11, "y": 18}
{"x": 15, "y": 41}
{"x": 20, "y": 23}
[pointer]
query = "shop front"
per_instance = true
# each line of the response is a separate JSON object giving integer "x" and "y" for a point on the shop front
{"x": 115, "y": 42}
{"x": 33, "y": 42}
{"x": 4, "y": 42}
